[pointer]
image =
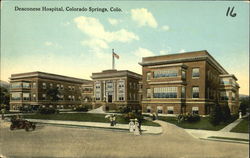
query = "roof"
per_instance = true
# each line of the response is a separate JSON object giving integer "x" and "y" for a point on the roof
{"x": 47, "y": 76}
{"x": 182, "y": 57}
{"x": 115, "y": 73}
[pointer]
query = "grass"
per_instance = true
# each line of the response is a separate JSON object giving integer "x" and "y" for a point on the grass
{"x": 227, "y": 138}
{"x": 242, "y": 127}
{"x": 203, "y": 124}
{"x": 85, "y": 117}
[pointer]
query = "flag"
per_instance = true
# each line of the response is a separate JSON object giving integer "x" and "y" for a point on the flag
{"x": 115, "y": 55}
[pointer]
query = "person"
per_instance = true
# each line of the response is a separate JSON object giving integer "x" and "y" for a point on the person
{"x": 136, "y": 127}
{"x": 114, "y": 120}
{"x": 240, "y": 115}
{"x": 131, "y": 125}
{"x": 111, "y": 120}
{"x": 153, "y": 116}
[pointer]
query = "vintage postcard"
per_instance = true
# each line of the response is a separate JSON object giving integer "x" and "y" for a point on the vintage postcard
{"x": 124, "y": 79}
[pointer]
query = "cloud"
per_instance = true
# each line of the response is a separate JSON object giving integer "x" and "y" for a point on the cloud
{"x": 142, "y": 52}
{"x": 165, "y": 51}
{"x": 48, "y": 43}
{"x": 94, "y": 29}
{"x": 182, "y": 51}
{"x": 95, "y": 43}
{"x": 143, "y": 17}
{"x": 113, "y": 21}
{"x": 165, "y": 28}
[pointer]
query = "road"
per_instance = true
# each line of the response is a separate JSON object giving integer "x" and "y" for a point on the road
{"x": 56, "y": 141}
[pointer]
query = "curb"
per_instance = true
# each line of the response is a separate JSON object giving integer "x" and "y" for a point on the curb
{"x": 225, "y": 140}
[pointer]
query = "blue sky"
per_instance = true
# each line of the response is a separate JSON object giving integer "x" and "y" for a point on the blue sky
{"x": 78, "y": 43}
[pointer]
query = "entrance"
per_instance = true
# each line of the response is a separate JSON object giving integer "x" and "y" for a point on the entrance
{"x": 110, "y": 98}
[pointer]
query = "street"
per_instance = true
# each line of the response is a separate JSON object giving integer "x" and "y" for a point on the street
{"x": 59, "y": 141}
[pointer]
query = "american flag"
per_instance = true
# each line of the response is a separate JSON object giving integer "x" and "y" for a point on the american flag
{"x": 115, "y": 55}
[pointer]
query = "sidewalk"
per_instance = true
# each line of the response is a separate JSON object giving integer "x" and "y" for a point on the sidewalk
{"x": 225, "y": 132}
{"x": 145, "y": 129}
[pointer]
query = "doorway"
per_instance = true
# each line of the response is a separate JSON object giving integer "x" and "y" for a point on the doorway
{"x": 110, "y": 98}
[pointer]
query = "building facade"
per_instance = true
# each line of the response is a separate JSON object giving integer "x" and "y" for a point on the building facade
{"x": 186, "y": 82}
{"x": 30, "y": 90}
{"x": 116, "y": 89}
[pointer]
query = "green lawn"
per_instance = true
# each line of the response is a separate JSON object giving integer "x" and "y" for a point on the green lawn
{"x": 242, "y": 127}
{"x": 85, "y": 117}
{"x": 203, "y": 124}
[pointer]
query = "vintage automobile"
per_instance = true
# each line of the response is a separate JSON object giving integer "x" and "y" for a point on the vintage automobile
{"x": 18, "y": 123}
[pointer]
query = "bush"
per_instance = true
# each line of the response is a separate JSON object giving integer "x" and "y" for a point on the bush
{"x": 215, "y": 116}
{"x": 47, "y": 110}
{"x": 124, "y": 109}
{"x": 132, "y": 115}
{"x": 226, "y": 114}
{"x": 82, "y": 108}
{"x": 188, "y": 118}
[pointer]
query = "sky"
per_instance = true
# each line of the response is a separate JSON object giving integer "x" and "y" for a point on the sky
{"x": 78, "y": 43}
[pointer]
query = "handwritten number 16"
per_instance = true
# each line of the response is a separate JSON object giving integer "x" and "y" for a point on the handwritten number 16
{"x": 231, "y": 12}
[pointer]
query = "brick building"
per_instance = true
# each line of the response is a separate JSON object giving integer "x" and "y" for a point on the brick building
{"x": 114, "y": 89}
{"x": 186, "y": 82}
{"x": 31, "y": 90}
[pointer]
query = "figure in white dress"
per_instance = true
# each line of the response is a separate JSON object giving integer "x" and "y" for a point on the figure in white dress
{"x": 136, "y": 126}
{"x": 131, "y": 125}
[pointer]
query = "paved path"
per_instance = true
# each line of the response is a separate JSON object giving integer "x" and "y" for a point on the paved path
{"x": 145, "y": 129}
{"x": 97, "y": 110}
{"x": 229, "y": 127}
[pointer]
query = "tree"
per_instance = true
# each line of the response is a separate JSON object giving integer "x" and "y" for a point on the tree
{"x": 215, "y": 116}
{"x": 4, "y": 98}
{"x": 244, "y": 105}
{"x": 53, "y": 94}
{"x": 226, "y": 114}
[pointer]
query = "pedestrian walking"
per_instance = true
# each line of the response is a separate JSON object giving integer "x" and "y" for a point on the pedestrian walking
{"x": 136, "y": 126}
{"x": 131, "y": 125}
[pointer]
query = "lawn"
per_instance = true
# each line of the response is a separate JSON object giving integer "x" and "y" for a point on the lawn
{"x": 85, "y": 117}
{"x": 203, "y": 124}
{"x": 242, "y": 127}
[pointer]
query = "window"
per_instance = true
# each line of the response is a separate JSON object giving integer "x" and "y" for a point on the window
{"x": 148, "y": 109}
{"x": 44, "y": 97}
{"x": 195, "y": 92}
{"x": 195, "y": 110}
{"x": 148, "y": 76}
{"x": 225, "y": 81}
{"x": 44, "y": 85}
{"x": 159, "y": 109}
{"x": 183, "y": 74}
{"x": 196, "y": 72}
{"x": 16, "y": 85}
{"x": 51, "y": 85}
{"x": 233, "y": 96}
{"x": 69, "y": 87}
{"x": 34, "y": 84}
{"x": 148, "y": 93}
{"x": 120, "y": 97}
{"x": 73, "y": 88}
{"x": 26, "y": 85}
{"x": 57, "y": 86}
{"x": 98, "y": 96}
{"x": 166, "y": 73}
{"x": 62, "y": 87}
{"x": 170, "y": 109}
{"x": 120, "y": 84}
{"x": 165, "y": 92}
{"x": 34, "y": 97}
{"x": 16, "y": 96}
{"x": 26, "y": 96}
{"x": 224, "y": 95}
{"x": 183, "y": 92}
{"x": 73, "y": 98}
{"x": 130, "y": 85}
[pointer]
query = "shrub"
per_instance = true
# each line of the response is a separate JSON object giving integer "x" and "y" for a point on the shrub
{"x": 47, "y": 110}
{"x": 124, "y": 109}
{"x": 132, "y": 115}
{"x": 188, "y": 118}
{"x": 215, "y": 116}
{"x": 226, "y": 114}
{"x": 82, "y": 108}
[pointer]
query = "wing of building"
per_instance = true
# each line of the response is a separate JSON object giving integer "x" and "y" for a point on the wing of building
{"x": 31, "y": 90}
{"x": 186, "y": 82}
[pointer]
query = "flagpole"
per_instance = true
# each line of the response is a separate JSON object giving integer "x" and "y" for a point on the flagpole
{"x": 113, "y": 60}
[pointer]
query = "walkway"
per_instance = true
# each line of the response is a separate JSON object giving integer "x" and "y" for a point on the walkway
{"x": 229, "y": 127}
{"x": 145, "y": 129}
{"x": 97, "y": 110}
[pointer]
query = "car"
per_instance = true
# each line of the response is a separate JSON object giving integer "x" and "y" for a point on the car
{"x": 18, "y": 123}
